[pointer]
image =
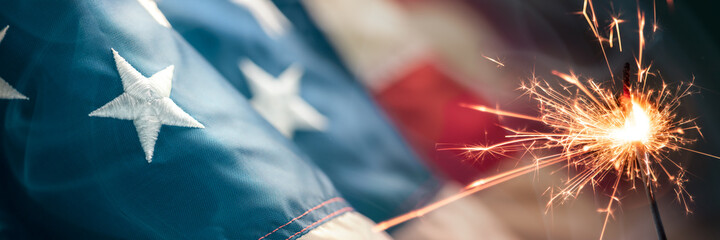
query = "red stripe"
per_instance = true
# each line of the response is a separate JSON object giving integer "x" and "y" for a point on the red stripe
{"x": 425, "y": 105}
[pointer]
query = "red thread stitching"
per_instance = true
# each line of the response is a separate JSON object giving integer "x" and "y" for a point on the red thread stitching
{"x": 301, "y": 215}
{"x": 323, "y": 219}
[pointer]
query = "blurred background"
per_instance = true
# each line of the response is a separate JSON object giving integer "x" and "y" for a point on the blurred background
{"x": 420, "y": 61}
{"x": 444, "y": 43}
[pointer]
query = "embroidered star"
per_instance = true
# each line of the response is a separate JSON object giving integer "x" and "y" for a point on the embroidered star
{"x": 7, "y": 91}
{"x": 278, "y": 99}
{"x": 272, "y": 21}
{"x": 146, "y": 101}
{"x": 152, "y": 8}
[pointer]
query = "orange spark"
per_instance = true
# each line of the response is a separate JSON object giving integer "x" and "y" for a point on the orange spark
{"x": 593, "y": 26}
{"x": 641, "y": 43}
{"x": 655, "y": 23}
{"x": 471, "y": 188}
{"x": 616, "y": 23}
{"x": 500, "y": 112}
{"x": 500, "y": 64}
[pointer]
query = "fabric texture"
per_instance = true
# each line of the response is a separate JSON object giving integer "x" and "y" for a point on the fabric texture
{"x": 7, "y": 91}
{"x": 362, "y": 154}
{"x": 68, "y": 175}
{"x": 346, "y": 227}
{"x": 409, "y": 80}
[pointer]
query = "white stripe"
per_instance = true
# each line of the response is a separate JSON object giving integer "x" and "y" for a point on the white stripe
{"x": 381, "y": 41}
{"x": 467, "y": 219}
{"x": 372, "y": 36}
{"x": 270, "y": 18}
{"x": 348, "y": 226}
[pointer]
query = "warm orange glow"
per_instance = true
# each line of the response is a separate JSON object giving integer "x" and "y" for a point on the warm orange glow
{"x": 655, "y": 23}
{"x": 637, "y": 128}
{"x": 500, "y": 112}
{"x": 596, "y": 132}
{"x": 592, "y": 129}
{"x": 616, "y": 24}
{"x": 470, "y": 189}
{"x": 641, "y": 37}
{"x": 592, "y": 21}
{"x": 500, "y": 64}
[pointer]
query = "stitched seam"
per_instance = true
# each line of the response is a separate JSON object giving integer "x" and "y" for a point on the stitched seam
{"x": 346, "y": 209}
{"x": 301, "y": 215}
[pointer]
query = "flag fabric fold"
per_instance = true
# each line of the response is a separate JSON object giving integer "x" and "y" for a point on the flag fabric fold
{"x": 409, "y": 80}
{"x": 129, "y": 133}
{"x": 266, "y": 52}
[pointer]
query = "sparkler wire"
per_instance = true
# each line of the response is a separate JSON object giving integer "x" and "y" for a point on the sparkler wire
{"x": 650, "y": 191}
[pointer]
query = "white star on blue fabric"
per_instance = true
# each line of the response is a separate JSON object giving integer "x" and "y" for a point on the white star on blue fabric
{"x": 146, "y": 101}
{"x": 272, "y": 21}
{"x": 278, "y": 99}
{"x": 7, "y": 91}
{"x": 152, "y": 8}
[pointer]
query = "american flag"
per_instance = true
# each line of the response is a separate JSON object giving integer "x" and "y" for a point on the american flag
{"x": 275, "y": 119}
{"x": 190, "y": 120}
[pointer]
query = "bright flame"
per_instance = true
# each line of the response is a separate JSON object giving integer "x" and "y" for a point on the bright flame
{"x": 637, "y": 127}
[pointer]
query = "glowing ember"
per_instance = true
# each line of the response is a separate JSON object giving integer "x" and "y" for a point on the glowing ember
{"x": 496, "y": 61}
{"x": 637, "y": 127}
{"x": 616, "y": 25}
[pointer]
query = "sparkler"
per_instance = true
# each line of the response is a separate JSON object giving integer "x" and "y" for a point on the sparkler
{"x": 604, "y": 135}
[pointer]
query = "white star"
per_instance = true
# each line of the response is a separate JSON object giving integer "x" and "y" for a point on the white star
{"x": 7, "y": 91}
{"x": 272, "y": 21}
{"x": 152, "y": 8}
{"x": 278, "y": 99}
{"x": 146, "y": 101}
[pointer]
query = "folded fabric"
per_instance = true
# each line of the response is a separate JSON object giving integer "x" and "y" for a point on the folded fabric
{"x": 308, "y": 96}
{"x": 114, "y": 127}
